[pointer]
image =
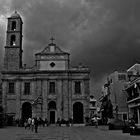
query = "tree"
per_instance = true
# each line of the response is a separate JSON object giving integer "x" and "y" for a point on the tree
{"x": 109, "y": 107}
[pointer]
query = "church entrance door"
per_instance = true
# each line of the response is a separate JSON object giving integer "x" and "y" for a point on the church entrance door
{"x": 52, "y": 117}
{"x": 78, "y": 112}
{"x": 26, "y": 111}
{"x": 52, "y": 112}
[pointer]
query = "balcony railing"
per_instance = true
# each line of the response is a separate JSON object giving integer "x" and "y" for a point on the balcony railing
{"x": 131, "y": 99}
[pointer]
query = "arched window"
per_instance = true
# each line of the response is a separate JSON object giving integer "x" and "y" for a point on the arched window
{"x": 52, "y": 105}
{"x": 13, "y": 40}
{"x": 13, "y": 25}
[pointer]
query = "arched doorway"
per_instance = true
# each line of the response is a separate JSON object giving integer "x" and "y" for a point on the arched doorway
{"x": 26, "y": 111}
{"x": 78, "y": 112}
{"x": 52, "y": 111}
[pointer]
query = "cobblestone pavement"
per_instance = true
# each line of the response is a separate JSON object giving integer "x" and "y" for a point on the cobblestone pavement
{"x": 65, "y": 133}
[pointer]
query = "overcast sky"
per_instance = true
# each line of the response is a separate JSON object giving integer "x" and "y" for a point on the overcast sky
{"x": 101, "y": 34}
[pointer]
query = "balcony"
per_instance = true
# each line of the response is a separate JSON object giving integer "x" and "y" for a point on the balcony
{"x": 129, "y": 100}
{"x": 136, "y": 95}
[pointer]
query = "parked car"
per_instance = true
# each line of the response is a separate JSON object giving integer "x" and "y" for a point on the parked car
{"x": 116, "y": 124}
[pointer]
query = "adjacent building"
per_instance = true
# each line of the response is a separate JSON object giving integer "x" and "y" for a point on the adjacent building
{"x": 132, "y": 90}
{"x": 118, "y": 98}
{"x": 113, "y": 91}
{"x": 51, "y": 89}
{"x": 123, "y": 89}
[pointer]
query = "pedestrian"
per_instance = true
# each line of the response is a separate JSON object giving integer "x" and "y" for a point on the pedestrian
{"x": 58, "y": 123}
{"x": 46, "y": 122}
{"x": 25, "y": 124}
{"x": 36, "y": 125}
{"x": 43, "y": 122}
{"x": 32, "y": 124}
{"x": 96, "y": 121}
{"x": 17, "y": 122}
{"x": 70, "y": 122}
{"x": 29, "y": 122}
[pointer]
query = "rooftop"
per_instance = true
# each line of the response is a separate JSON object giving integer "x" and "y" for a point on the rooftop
{"x": 15, "y": 14}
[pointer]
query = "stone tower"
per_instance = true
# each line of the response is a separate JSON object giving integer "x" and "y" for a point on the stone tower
{"x": 13, "y": 48}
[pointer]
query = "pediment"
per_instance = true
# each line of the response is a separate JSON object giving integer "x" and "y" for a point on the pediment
{"x": 51, "y": 49}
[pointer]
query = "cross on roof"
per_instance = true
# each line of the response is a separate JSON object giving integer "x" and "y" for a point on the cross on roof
{"x": 52, "y": 39}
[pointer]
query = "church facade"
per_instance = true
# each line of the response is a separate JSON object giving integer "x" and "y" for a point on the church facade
{"x": 51, "y": 89}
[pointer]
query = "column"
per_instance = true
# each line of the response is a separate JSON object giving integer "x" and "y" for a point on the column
{"x": 65, "y": 99}
{"x": 44, "y": 96}
{"x": 138, "y": 112}
{"x": 38, "y": 92}
{"x": 4, "y": 95}
{"x": 70, "y": 100}
{"x": 59, "y": 102}
{"x": 33, "y": 93}
{"x": 18, "y": 92}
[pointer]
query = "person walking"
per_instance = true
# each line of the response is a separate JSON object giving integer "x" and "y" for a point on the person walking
{"x": 36, "y": 125}
{"x": 25, "y": 123}
{"x": 32, "y": 124}
{"x": 96, "y": 121}
{"x": 58, "y": 123}
{"x": 29, "y": 122}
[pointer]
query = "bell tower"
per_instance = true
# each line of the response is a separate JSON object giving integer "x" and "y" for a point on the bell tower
{"x": 13, "y": 48}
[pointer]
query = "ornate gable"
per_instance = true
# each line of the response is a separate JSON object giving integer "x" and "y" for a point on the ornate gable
{"x": 52, "y": 49}
{"x": 52, "y": 58}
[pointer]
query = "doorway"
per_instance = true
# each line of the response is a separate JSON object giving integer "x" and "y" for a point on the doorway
{"x": 78, "y": 113}
{"x": 52, "y": 117}
{"x": 52, "y": 112}
{"x": 26, "y": 111}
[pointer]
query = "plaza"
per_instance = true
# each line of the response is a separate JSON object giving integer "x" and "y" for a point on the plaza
{"x": 65, "y": 133}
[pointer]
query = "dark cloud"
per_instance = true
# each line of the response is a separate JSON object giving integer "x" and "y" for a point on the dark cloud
{"x": 102, "y": 34}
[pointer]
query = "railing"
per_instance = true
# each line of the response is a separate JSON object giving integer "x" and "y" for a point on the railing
{"x": 131, "y": 99}
{"x": 136, "y": 95}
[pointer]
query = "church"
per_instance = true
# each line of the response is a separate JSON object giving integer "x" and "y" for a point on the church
{"x": 51, "y": 89}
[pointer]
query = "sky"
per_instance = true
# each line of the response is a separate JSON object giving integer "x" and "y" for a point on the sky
{"x": 101, "y": 34}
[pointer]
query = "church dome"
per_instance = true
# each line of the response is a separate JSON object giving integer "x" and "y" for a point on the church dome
{"x": 15, "y": 14}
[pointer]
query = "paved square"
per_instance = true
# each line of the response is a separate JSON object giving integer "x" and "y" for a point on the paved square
{"x": 65, "y": 133}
